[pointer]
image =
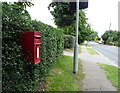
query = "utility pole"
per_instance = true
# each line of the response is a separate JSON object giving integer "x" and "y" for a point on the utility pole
{"x": 80, "y": 4}
{"x": 119, "y": 16}
{"x": 109, "y": 26}
{"x": 75, "y": 66}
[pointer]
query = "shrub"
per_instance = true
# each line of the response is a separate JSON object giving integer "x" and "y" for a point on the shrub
{"x": 69, "y": 41}
{"x": 18, "y": 75}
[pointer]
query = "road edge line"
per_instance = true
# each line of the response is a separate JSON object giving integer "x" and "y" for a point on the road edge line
{"x": 106, "y": 58}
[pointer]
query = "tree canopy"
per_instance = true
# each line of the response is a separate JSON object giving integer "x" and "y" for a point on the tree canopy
{"x": 61, "y": 13}
{"x": 24, "y": 4}
{"x": 94, "y": 35}
{"x": 111, "y": 36}
{"x": 66, "y": 19}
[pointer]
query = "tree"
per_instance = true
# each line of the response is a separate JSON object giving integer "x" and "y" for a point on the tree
{"x": 24, "y": 4}
{"x": 93, "y": 35}
{"x": 61, "y": 13}
{"x": 110, "y": 37}
{"x": 65, "y": 19}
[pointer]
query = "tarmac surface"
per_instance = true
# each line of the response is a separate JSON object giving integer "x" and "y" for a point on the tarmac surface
{"x": 111, "y": 52}
{"x": 95, "y": 78}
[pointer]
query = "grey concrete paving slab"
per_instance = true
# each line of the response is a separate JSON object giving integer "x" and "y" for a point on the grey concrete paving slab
{"x": 95, "y": 78}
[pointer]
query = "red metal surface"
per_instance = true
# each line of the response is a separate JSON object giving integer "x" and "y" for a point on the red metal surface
{"x": 31, "y": 46}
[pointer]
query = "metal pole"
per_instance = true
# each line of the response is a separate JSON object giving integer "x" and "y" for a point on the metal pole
{"x": 118, "y": 29}
{"x": 109, "y": 26}
{"x": 75, "y": 65}
{"x": 119, "y": 16}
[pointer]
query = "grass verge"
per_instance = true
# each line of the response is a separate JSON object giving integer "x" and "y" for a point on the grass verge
{"x": 61, "y": 77}
{"x": 92, "y": 51}
{"x": 112, "y": 74}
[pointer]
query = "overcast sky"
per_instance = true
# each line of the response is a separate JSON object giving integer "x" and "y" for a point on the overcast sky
{"x": 100, "y": 13}
{"x": 40, "y": 11}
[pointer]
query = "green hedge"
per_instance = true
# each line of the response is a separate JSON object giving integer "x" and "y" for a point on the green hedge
{"x": 69, "y": 41}
{"x": 18, "y": 75}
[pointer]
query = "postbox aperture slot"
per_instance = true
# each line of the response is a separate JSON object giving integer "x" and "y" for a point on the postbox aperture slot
{"x": 37, "y": 36}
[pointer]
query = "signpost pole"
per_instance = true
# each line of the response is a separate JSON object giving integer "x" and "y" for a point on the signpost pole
{"x": 75, "y": 65}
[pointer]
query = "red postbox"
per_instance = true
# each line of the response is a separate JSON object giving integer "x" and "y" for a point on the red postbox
{"x": 31, "y": 46}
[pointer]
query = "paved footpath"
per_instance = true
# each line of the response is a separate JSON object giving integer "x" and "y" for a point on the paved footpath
{"x": 95, "y": 78}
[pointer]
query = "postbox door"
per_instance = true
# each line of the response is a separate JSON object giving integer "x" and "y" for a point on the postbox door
{"x": 37, "y": 42}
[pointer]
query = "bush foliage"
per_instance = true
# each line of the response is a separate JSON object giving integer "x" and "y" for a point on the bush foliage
{"x": 111, "y": 37}
{"x": 69, "y": 41}
{"x": 18, "y": 75}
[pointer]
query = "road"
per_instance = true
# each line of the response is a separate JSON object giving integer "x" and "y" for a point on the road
{"x": 111, "y": 52}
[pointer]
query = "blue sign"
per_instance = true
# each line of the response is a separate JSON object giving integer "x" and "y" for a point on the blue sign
{"x": 82, "y": 5}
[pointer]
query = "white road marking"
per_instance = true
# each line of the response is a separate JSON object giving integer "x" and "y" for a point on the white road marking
{"x": 106, "y": 58}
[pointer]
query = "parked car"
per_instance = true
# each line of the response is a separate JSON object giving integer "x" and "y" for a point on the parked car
{"x": 100, "y": 42}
